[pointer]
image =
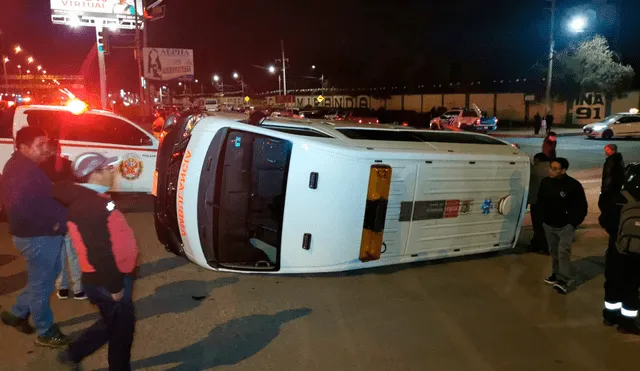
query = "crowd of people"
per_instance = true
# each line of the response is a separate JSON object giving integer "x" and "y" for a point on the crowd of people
{"x": 60, "y": 215}
{"x": 558, "y": 205}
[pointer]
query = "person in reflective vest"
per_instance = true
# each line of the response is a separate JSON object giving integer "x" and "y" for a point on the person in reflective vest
{"x": 622, "y": 260}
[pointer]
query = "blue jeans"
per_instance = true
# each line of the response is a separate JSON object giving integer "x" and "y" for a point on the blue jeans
{"x": 116, "y": 326}
{"x": 43, "y": 266}
{"x": 69, "y": 256}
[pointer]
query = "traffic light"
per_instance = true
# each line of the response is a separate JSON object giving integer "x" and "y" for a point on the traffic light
{"x": 155, "y": 13}
{"x": 103, "y": 41}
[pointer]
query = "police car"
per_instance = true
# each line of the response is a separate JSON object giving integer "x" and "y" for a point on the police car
{"x": 79, "y": 130}
{"x": 305, "y": 196}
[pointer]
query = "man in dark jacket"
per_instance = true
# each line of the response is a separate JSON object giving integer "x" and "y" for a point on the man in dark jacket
{"x": 107, "y": 252}
{"x": 59, "y": 169}
{"x": 622, "y": 271}
{"x": 612, "y": 177}
{"x": 563, "y": 206}
{"x": 38, "y": 224}
{"x": 537, "y": 123}
{"x": 549, "y": 119}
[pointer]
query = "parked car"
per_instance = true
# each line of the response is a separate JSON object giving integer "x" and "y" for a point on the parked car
{"x": 624, "y": 124}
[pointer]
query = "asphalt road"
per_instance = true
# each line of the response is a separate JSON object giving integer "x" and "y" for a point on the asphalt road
{"x": 487, "y": 313}
{"x": 583, "y": 154}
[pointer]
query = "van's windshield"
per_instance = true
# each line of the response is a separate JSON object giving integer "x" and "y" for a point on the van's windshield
{"x": 249, "y": 200}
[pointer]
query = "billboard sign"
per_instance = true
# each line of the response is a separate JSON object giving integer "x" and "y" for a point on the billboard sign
{"x": 163, "y": 64}
{"x": 114, "y": 13}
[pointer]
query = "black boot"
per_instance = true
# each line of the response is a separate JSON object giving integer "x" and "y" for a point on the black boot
{"x": 628, "y": 326}
{"x": 611, "y": 317}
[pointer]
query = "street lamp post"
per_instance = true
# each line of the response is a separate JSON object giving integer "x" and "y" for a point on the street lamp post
{"x": 20, "y": 76}
{"x": 6, "y": 80}
{"x": 236, "y": 76}
{"x": 273, "y": 70}
{"x": 551, "y": 52}
{"x": 218, "y": 81}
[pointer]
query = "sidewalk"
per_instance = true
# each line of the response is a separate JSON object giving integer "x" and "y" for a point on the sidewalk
{"x": 528, "y": 133}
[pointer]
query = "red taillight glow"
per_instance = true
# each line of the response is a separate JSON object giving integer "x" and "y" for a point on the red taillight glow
{"x": 478, "y": 122}
{"x": 359, "y": 121}
{"x": 10, "y": 103}
{"x": 377, "y": 122}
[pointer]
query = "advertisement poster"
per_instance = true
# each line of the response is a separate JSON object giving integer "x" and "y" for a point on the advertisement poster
{"x": 108, "y": 8}
{"x": 162, "y": 64}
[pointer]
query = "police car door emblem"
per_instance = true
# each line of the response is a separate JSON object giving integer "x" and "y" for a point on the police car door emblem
{"x": 487, "y": 205}
{"x": 131, "y": 166}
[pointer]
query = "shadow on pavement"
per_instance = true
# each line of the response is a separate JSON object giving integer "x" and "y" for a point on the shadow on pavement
{"x": 133, "y": 202}
{"x": 587, "y": 269}
{"x": 159, "y": 266}
{"x": 176, "y": 297}
{"x": 13, "y": 283}
{"x": 227, "y": 344}
{"x": 6, "y": 259}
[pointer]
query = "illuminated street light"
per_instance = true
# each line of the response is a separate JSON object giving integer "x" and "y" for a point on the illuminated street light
{"x": 30, "y": 60}
{"x": 578, "y": 24}
{"x": 313, "y": 66}
{"x": 44, "y": 72}
{"x": 5, "y": 60}
{"x": 39, "y": 68}
{"x": 17, "y": 49}
{"x": 272, "y": 69}
{"x": 216, "y": 78}
{"x": 28, "y": 71}
{"x": 235, "y": 75}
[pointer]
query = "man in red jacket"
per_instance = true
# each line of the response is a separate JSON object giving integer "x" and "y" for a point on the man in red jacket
{"x": 107, "y": 252}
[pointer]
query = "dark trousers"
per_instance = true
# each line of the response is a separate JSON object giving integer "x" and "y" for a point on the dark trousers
{"x": 539, "y": 241}
{"x": 116, "y": 327}
{"x": 622, "y": 280}
{"x": 536, "y": 127}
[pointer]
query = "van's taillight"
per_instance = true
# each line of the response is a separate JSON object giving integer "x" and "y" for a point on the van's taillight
{"x": 375, "y": 212}
{"x": 478, "y": 122}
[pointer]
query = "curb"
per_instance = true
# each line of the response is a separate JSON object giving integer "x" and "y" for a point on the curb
{"x": 514, "y": 135}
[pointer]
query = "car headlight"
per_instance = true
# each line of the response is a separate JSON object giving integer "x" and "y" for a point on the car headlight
{"x": 599, "y": 127}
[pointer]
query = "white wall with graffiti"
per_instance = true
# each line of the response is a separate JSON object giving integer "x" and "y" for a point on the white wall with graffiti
{"x": 588, "y": 108}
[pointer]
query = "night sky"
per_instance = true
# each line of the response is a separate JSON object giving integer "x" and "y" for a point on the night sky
{"x": 354, "y": 43}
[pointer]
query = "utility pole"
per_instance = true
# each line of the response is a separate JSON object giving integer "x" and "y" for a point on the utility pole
{"x": 138, "y": 55}
{"x": 284, "y": 68}
{"x": 551, "y": 54}
{"x": 6, "y": 81}
{"x": 101, "y": 64}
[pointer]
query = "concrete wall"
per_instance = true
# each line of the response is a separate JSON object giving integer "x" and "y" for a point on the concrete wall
{"x": 431, "y": 100}
{"x": 511, "y": 106}
{"x": 588, "y": 108}
{"x": 455, "y": 100}
{"x": 413, "y": 102}
{"x": 625, "y": 104}
{"x": 484, "y": 102}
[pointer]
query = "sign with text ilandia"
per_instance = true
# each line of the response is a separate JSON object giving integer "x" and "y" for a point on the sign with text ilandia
{"x": 86, "y": 7}
{"x": 164, "y": 64}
